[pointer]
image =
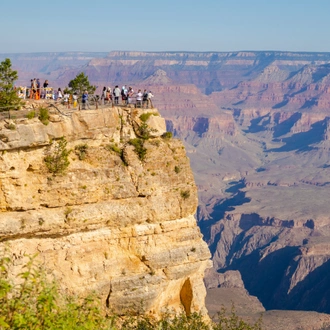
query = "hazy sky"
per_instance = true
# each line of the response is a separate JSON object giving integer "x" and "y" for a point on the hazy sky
{"x": 169, "y": 25}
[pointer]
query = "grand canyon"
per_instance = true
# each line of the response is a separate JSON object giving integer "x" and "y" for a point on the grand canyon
{"x": 255, "y": 126}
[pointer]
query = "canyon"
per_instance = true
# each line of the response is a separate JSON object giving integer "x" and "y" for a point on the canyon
{"x": 255, "y": 126}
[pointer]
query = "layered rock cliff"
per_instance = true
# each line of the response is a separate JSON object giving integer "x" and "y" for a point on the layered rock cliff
{"x": 112, "y": 223}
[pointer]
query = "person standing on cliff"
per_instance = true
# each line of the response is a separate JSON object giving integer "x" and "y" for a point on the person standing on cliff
{"x": 130, "y": 95}
{"x": 38, "y": 89}
{"x": 44, "y": 91}
{"x": 34, "y": 87}
{"x": 85, "y": 101}
{"x": 109, "y": 95}
{"x": 116, "y": 93}
{"x": 139, "y": 99}
{"x": 150, "y": 95}
{"x": 75, "y": 99}
{"x": 124, "y": 95}
{"x": 103, "y": 95}
{"x": 145, "y": 99}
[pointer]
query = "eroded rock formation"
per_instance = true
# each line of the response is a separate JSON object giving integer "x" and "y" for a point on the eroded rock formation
{"x": 112, "y": 223}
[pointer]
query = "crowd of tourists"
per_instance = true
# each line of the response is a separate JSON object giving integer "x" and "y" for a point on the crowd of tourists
{"x": 116, "y": 96}
{"x": 127, "y": 96}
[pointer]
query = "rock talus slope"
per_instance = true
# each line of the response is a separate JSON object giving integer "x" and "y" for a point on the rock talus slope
{"x": 112, "y": 223}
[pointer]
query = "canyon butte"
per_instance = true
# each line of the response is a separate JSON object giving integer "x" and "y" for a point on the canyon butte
{"x": 255, "y": 126}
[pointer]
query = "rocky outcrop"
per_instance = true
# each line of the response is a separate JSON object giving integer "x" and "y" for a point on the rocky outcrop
{"x": 112, "y": 223}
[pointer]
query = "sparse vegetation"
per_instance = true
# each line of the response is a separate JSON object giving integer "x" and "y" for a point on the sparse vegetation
{"x": 57, "y": 159}
{"x": 167, "y": 135}
{"x": 114, "y": 147}
{"x": 37, "y": 303}
{"x": 68, "y": 211}
{"x": 155, "y": 143}
{"x": 177, "y": 169}
{"x": 145, "y": 116}
{"x": 44, "y": 116}
{"x": 11, "y": 126}
{"x": 144, "y": 131}
{"x": 31, "y": 114}
{"x": 139, "y": 148}
{"x": 81, "y": 151}
{"x": 185, "y": 194}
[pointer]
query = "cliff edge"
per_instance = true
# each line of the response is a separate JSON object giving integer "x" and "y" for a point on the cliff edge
{"x": 112, "y": 223}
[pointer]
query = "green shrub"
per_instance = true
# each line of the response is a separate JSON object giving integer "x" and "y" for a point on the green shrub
{"x": 57, "y": 159}
{"x": 81, "y": 151}
{"x": 144, "y": 131}
{"x": 145, "y": 116}
{"x": 114, "y": 147}
{"x": 31, "y": 114}
{"x": 231, "y": 321}
{"x": 44, "y": 116}
{"x": 185, "y": 194}
{"x": 167, "y": 135}
{"x": 155, "y": 143}
{"x": 11, "y": 126}
{"x": 37, "y": 303}
{"x": 177, "y": 169}
{"x": 139, "y": 148}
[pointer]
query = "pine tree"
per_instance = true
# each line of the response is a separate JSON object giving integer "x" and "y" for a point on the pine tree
{"x": 9, "y": 99}
{"x": 80, "y": 84}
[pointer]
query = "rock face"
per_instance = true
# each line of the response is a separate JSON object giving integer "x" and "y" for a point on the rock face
{"x": 112, "y": 223}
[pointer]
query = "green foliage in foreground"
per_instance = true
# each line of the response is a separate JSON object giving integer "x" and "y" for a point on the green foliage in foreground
{"x": 37, "y": 303}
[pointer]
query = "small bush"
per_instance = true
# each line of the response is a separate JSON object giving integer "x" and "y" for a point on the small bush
{"x": 185, "y": 194}
{"x": 81, "y": 151}
{"x": 177, "y": 169}
{"x": 114, "y": 147}
{"x": 57, "y": 159}
{"x": 167, "y": 135}
{"x": 144, "y": 131}
{"x": 139, "y": 148}
{"x": 31, "y": 114}
{"x": 37, "y": 303}
{"x": 145, "y": 116}
{"x": 44, "y": 116}
{"x": 11, "y": 126}
{"x": 155, "y": 143}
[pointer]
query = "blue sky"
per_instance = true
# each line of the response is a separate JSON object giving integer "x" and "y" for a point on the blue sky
{"x": 168, "y": 25}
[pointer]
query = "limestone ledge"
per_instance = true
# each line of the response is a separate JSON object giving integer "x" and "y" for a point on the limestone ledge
{"x": 111, "y": 223}
{"x": 147, "y": 263}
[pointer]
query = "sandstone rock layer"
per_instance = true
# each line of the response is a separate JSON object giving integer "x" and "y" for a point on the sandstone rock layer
{"x": 111, "y": 223}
